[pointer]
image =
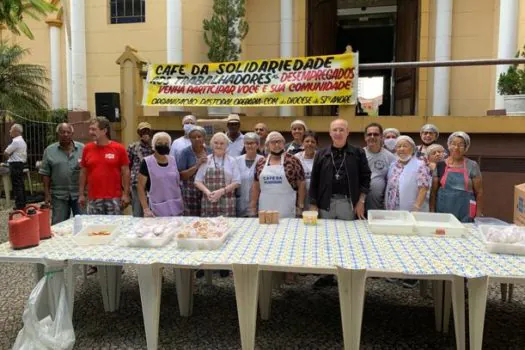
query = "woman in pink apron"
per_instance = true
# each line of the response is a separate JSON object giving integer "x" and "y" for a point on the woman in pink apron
{"x": 218, "y": 179}
{"x": 457, "y": 186}
{"x": 159, "y": 177}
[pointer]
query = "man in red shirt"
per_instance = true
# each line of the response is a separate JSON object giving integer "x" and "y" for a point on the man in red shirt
{"x": 105, "y": 169}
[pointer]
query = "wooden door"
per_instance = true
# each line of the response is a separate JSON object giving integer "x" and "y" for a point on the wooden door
{"x": 322, "y": 38}
{"x": 407, "y": 34}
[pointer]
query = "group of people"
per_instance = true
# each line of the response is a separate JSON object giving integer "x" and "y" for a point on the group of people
{"x": 238, "y": 174}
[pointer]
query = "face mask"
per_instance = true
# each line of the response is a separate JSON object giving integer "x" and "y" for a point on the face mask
{"x": 162, "y": 149}
{"x": 404, "y": 158}
{"x": 277, "y": 153}
{"x": 390, "y": 144}
{"x": 187, "y": 128}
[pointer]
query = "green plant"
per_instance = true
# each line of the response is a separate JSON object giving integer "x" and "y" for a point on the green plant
{"x": 12, "y": 14}
{"x": 225, "y": 30}
{"x": 512, "y": 82}
{"x": 23, "y": 87}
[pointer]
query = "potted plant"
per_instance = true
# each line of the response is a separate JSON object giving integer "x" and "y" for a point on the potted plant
{"x": 512, "y": 86}
{"x": 223, "y": 34}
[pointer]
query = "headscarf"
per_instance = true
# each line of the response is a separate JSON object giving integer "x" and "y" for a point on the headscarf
{"x": 251, "y": 136}
{"x": 197, "y": 128}
{"x": 300, "y": 122}
{"x": 460, "y": 134}
{"x": 391, "y": 130}
{"x": 160, "y": 135}
{"x": 274, "y": 135}
{"x": 431, "y": 128}
{"x": 409, "y": 140}
{"x": 189, "y": 116}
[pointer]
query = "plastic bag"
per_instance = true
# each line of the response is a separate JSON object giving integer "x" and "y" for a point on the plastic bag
{"x": 47, "y": 319}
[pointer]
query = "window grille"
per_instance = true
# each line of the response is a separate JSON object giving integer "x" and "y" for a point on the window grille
{"x": 127, "y": 11}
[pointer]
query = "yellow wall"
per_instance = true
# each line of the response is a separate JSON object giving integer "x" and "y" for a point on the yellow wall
{"x": 474, "y": 35}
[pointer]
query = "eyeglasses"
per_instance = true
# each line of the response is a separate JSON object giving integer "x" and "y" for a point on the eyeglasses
{"x": 259, "y": 129}
{"x": 276, "y": 142}
{"x": 374, "y": 134}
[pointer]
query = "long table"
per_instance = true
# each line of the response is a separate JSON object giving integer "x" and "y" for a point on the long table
{"x": 256, "y": 252}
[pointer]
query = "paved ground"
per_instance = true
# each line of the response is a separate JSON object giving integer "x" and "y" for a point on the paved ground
{"x": 302, "y": 318}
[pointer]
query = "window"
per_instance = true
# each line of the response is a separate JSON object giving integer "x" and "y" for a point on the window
{"x": 127, "y": 11}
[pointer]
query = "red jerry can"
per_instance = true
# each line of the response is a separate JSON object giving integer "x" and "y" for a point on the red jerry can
{"x": 23, "y": 231}
{"x": 44, "y": 223}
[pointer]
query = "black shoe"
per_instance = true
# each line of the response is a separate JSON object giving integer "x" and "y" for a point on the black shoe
{"x": 224, "y": 273}
{"x": 199, "y": 274}
{"x": 325, "y": 281}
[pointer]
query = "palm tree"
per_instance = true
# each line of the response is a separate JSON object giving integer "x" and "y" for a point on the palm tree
{"x": 23, "y": 87}
{"x": 12, "y": 14}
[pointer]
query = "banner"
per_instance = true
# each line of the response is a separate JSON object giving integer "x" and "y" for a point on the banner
{"x": 301, "y": 81}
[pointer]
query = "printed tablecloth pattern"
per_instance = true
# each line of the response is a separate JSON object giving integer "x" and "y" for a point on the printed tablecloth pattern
{"x": 329, "y": 244}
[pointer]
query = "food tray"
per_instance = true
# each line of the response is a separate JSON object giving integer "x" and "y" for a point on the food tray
{"x": 150, "y": 242}
{"x": 428, "y": 224}
{"x": 83, "y": 238}
{"x": 203, "y": 243}
{"x": 391, "y": 222}
{"x": 500, "y": 248}
{"x": 483, "y": 220}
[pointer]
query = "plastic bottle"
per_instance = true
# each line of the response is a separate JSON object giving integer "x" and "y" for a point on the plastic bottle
{"x": 77, "y": 225}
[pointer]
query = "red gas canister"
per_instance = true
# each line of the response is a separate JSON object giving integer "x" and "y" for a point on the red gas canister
{"x": 23, "y": 231}
{"x": 44, "y": 223}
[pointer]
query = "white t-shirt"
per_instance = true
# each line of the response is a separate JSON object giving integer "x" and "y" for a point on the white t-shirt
{"x": 235, "y": 148}
{"x": 231, "y": 170}
{"x": 178, "y": 145}
{"x": 17, "y": 150}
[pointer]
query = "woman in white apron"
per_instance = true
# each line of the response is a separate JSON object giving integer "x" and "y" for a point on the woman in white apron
{"x": 246, "y": 164}
{"x": 279, "y": 183}
{"x": 306, "y": 157}
{"x": 408, "y": 179}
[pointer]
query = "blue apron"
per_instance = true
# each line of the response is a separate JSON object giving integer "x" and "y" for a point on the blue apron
{"x": 452, "y": 200}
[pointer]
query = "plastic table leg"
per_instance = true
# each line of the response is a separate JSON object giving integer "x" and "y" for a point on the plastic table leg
{"x": 477, "y": 301}
{"x": 265, "y": 294}
{"x": 109, "y": 277}
{"x": 246, "y": 279}
{"x": 351, "y": 284}
{"x": 150, "y": 284}
{"x": 184, "y": 285}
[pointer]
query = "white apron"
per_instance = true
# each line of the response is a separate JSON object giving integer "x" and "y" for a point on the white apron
{"x": 408, "y": 189}
{"x": 307, "y": 167}
{"x": 245, "y": 190}
{"x": 276, "y": 192}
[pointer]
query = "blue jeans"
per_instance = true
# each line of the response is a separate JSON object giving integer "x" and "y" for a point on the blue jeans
{"x": 62, "y": 209}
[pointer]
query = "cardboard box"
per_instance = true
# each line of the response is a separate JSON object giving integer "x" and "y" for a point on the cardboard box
{"x": 519, "y": 204}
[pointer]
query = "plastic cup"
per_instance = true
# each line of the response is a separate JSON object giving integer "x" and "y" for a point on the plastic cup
{"x": 310, "y": 217}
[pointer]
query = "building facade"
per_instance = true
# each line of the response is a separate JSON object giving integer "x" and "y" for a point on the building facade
{"x": 83, "y": 63}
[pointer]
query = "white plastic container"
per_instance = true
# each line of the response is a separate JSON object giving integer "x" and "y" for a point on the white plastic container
{"x": 202, "y": 243}
{"x": 148, "y": 242}
{"x": 438, "y": 225}
{"x": 391, "y": 222}
{"x": 483, "y": 220}
{"x": 84, "y": 237}
{"x": 497, "y": 247}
